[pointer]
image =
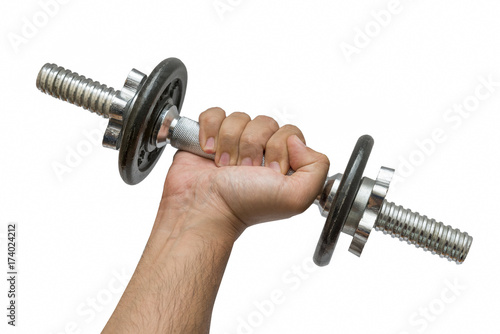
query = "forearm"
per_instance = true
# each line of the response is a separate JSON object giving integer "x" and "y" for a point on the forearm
{"x": 176, "y": 281}
{"x": 204, "y": 209}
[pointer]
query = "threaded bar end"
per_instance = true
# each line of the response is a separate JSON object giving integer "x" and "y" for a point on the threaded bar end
{"x": 76, "y": 89}
{"x": 424, "y": 232}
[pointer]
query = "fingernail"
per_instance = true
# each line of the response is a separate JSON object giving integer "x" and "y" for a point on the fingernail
{"x": 210, "y": 144}
{"x": 275, "y": 166}
{"x": 247, "y": 162}
{"x": 224, "y": 159}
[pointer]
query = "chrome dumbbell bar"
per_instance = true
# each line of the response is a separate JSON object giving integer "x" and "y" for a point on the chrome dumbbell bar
{"x": 144, "y": 118}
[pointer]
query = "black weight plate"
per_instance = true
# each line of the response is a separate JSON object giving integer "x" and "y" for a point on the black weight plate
{"x": 342, "y": 202}
{"x": 166, "y": 85}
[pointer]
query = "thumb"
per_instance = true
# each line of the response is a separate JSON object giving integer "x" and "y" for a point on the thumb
{"x": 311, "y": 169}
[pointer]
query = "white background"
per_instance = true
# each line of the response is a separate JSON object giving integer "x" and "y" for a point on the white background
{"x": 80, "y": 231}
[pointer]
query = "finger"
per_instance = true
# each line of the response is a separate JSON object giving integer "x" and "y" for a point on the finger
{"x": 254, "y": 139}
{"x": 277, "y": 150}
{"x": 228, "y": 139}
{"x": 310, "y": 168}
{"x": 210, "y": 123}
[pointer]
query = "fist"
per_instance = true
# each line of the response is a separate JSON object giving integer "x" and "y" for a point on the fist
{"x": 235, "y": 191}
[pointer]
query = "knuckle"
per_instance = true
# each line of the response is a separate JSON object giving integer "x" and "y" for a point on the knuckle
{"x": 210, "y": 122}
{"x": 240, "y": 114}
{"x": 291, "y": 128}
{"x": 217, "y": 109}
{"x": 269, "y": 121}
{"x": 248, "y": 139}
{"x": 211, "y": 114}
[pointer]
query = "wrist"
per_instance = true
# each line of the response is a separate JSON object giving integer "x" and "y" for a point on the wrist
{"x": 207, "y": 224}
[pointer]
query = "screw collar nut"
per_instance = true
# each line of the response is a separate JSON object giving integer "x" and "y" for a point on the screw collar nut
{"x": 120, "y": 107}
{"x": 371, "y": 210}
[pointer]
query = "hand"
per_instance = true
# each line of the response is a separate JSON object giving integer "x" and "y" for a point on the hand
{"x": 235, "y": 191}
{"x": 204, "y": 208}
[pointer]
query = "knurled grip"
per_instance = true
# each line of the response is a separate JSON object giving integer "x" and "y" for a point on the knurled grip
{"x": 186, "y": 137}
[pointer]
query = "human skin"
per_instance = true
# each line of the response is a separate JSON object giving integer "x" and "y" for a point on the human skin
{"x": 204, "y": 208}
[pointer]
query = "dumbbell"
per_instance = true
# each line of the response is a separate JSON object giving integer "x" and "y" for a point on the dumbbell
{"x": 144, "y": 118}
